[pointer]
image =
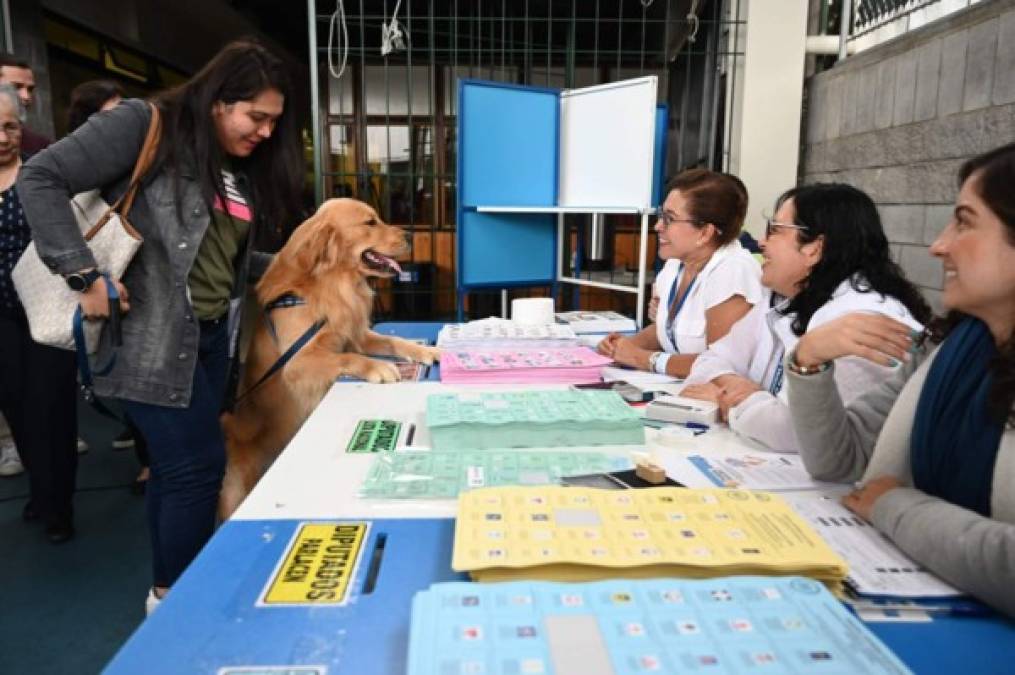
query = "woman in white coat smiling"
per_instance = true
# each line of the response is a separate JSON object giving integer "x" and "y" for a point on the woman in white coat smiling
{"x": 825, "y": 255}
{"x": 709, "y": 280}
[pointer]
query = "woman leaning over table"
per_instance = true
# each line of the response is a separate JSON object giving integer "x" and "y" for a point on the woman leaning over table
{"x": 37, "y": 384}
{"x": 228, "y": 164}
{"x": 709, "y": 280}
{"x": 825, "y": 255}
{"x": 939, "y": 478}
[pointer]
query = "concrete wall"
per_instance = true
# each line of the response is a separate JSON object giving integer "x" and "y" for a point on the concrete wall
{"x": 898, "y": 120}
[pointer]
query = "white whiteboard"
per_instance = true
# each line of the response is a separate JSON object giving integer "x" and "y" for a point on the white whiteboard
{"x": 607, "y": 144}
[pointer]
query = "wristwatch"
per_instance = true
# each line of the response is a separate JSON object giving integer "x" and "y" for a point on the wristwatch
{"x": 82, "y": 281}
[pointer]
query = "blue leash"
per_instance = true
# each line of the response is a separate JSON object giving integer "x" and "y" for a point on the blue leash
{"x": 81, "y": 349}
{"x": 287, "y": 300}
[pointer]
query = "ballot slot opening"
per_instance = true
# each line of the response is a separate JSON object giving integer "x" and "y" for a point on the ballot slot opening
{"x": 375, "y": 563}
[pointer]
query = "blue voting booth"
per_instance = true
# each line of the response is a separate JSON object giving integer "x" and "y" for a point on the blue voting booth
{"x": 529, "y": 155}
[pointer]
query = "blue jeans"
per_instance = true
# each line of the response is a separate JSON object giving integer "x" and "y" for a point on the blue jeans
{"x": 188, "y": 460}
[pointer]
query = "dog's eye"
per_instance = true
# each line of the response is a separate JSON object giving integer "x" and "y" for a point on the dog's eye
{"x": 372, "y": 222}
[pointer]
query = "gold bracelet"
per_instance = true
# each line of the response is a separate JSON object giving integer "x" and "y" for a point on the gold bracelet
{"x": 795, "y": 367}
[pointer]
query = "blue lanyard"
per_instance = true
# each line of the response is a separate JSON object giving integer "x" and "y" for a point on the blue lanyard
{"x": 674, "y": 312}
{"x": 777, "y": 377}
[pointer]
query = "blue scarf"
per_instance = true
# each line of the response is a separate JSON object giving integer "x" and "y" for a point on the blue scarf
{"x": 955, "y": 440}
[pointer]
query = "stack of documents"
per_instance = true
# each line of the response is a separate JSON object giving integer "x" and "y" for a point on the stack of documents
{"x": 531, "y": 419}
{"x": 876, "y": 566}
{"x": 442, "y": 475}
{"x": 569, "y": 365}
{"x": 596, "y": 322}
{"x": 584, "y": 534}
{"x": 724, "y": 625}
{"x": 495, "y": 333}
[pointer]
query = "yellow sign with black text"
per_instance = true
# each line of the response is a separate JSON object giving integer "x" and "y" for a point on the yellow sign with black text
{"x": 319, "y": 565}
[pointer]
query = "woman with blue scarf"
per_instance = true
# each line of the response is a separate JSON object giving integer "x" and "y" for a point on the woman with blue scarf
{"x": 934, "y": 446}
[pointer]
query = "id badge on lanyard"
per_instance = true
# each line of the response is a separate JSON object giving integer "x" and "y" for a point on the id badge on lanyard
{"x": 675, "y": 307}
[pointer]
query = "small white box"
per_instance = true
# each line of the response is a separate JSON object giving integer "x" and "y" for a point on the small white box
{"x": 679, "y": 409}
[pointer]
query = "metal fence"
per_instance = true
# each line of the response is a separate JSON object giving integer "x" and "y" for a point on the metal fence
{"x": 874, "y": 21}
{"x": 386, "y": 122}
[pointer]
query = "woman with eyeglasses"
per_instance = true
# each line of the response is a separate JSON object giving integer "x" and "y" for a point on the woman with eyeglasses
{"x": 935, "y": 444}
{"x": 825, "y": 255}
{"x": 709, "y": 280}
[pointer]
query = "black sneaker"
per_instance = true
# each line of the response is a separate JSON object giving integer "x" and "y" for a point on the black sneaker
{"x": 59, "y": 533}
{"x": 125, "y": 441}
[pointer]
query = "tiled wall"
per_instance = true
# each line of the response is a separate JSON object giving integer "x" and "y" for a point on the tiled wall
{"x": 898, "y": 120}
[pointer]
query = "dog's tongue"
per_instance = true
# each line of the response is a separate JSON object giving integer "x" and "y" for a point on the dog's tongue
{"x": 390, "y": 262}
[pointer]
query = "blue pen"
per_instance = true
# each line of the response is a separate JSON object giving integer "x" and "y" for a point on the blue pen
{"x": 697, "y": 427}
{"x": 958, "y": 609}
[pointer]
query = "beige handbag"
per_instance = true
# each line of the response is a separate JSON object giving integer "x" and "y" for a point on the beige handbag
{"x": 47, "y": 300}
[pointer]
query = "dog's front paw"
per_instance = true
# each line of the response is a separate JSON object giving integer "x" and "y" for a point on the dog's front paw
{"x": 427, "y": 355}
{"x": 379, "y": 372}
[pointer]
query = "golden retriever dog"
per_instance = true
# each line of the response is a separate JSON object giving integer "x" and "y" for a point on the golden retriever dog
{"x": 327, "y": 263}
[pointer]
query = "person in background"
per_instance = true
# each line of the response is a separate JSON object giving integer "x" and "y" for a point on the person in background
{"x": 229, "y": 161}
{"x": 934, "y": 446}
{"x": 708, "y": 282}
{"x": 825, "y": 255}
{"x": 18, "y": 73}
{"x": 38, "y": 386}
{"x": 86, "y": 99}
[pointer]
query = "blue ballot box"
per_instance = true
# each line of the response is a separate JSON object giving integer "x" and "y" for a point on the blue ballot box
{"x": 334, "y": 596}
{"x": 328, "y": 596}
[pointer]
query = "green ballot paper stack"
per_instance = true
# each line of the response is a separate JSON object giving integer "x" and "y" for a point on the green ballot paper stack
{"x": 531, "y": 419}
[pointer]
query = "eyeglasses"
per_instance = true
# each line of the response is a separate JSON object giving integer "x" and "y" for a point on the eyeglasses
{"x": 669, "y": 219}
{"x": 772, "y": 226}
{"x": 11, "y": 129}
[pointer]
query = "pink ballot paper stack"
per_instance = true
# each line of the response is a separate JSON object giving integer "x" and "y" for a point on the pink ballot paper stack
{"x": 571, "y": 365}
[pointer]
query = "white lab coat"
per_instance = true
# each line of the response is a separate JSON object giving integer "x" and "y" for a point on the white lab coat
{"x": 731, "y": 271}
{"x": 755, "y": 346}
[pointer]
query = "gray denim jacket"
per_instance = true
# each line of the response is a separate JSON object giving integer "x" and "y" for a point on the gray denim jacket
{"x": 160, "y": 334}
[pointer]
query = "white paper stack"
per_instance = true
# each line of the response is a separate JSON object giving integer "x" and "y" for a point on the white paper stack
{"x": 493, "y": 333}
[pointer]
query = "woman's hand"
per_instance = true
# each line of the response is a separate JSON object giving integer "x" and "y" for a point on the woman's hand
{"x": 703, "y": 392}
{"x": 608, "y": 344}
{"x": 861, "y": 501}
{"x": 733, "y": 390}
{"x": 627, "y": 353}
{"x": 725, "y": 391}
{"x": 95, "y": 300}
{"x": 874, "y": 337}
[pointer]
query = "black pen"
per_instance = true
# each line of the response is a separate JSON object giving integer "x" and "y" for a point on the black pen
{"x": 410, "y": 433}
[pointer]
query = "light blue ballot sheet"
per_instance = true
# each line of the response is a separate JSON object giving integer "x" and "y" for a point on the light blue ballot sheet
{"x": 622, "y": 627}
{"x": 528, "y": 419}
{"x": 442, "y": 475}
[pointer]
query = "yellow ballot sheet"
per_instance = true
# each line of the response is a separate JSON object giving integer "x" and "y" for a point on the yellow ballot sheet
{"x": 584, "y": 534}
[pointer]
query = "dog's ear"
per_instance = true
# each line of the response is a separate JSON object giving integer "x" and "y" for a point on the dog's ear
{"x": 322, "y": 246}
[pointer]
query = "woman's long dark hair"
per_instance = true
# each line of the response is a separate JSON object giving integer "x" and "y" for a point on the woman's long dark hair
{"x": 241, "y": 71}
{"x": 87, "y": 98}
{"x": 854, "y": 248}
{"x": 993, "y": 176}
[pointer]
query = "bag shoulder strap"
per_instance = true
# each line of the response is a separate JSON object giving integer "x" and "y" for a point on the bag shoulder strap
{"x": 144, "y": 162}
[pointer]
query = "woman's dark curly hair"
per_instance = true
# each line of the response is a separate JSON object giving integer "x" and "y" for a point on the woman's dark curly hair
{"x": 993, "y": 175}
{"x": 854, "y": 248}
